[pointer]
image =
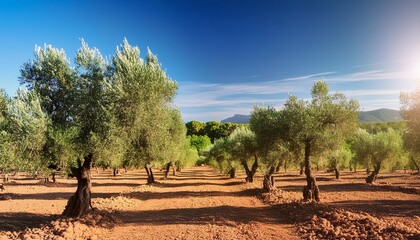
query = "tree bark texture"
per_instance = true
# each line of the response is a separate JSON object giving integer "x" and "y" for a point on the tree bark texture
{"x": 311, "y": 190}
{"x": 268, "y": 182}
{"x": 336, "y": 170}
{"x": 278, "y": 167}
{"x": 337, "y": 173}
{"x": 150, "y": 177}
{"x": 168, "y": 167}
{"x": 53, "y": 176}
{"x": 232, "y": 173}
{"x": 372, "y": 177}
{"x": 80, "y": 202}
{"x": 250, "y": 172}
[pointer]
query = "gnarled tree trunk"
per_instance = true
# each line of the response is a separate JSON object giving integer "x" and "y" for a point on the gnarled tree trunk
{"x": 115, "y": 171}
{"x": 372, "y": 177}
{"x": 173, "y": 171}
{"x": 268, "y": 182}
{"x": 336, "y": 170}
{"x": 278, "y": 167}
{"x": 232, "y": 173}
{"x": 168, "y": 167}
{"x": 150, "y": 177}
{"x": 250, "y": 173}
{"x": 311, "y": 190}
{"x": 80, "y": 202}
{"x": 53, "y": 176}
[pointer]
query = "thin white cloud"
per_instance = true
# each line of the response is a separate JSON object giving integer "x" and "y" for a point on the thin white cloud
{"x": 310, "y": 76}
{"x": 218, "y": 101}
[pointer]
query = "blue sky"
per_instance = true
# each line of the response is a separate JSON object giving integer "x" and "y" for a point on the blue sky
{"x": 230, "y": 55}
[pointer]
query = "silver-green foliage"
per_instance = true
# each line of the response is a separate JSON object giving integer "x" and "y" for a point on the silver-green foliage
{"x": 27, "y": 127}
{"x": 383, "y": 150}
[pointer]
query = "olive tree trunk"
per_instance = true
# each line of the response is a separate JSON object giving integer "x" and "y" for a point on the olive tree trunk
{"x": 150, "y": 177}
{"x": 232, "y": 173}
{"x": 278, "y": 167}
{"x": 115, "y": 172}
{"x": 415, "y": 164}
{"x": 311, "y": 190}
{"x": 168, "y": 167}
{"x": 80, "y": 202}
{"x": 336, "y": 170}
{"x": 250, "y": 173}
{"x": 53, "y": 176}
{"x": 268, "y": 182}
{"x": 372, "y": 177}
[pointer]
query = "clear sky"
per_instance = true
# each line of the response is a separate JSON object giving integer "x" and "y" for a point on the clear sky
{"x": 230, "y": 55}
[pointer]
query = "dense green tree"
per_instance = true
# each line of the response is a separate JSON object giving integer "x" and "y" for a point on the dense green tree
{"x": 213, "y": 129}
{"x": 318, "y": 125}
{"x": 143, "y": 102}
{"x": 220, "y": 157}
{"x": 380, "y": 150}
{"x": 52, "y": 77}
{"x": 200, "y": 142}
{"x": 76, "y": 99}
{"x": 243, "y": 148}
{"x": 269, "y": 127}
{"x": 410, "y": 111}
{"x": 195, "y": 128}
{"x": 174, "y": 144}
{"x": 27, "y": 127}
{"x": 5, "y": 148}
{"x": 383, "y": 126}
{"x": 339, "y": 159}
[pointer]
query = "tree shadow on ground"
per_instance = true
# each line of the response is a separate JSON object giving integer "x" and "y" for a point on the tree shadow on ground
{"x": 149, "y": 195}
{"x": 186, "y": 184}
{"x": 53, "y": 195}
{"x": 16, "y": 221}
{"x": 288, "y": 213}
{"x": 397, "y": 208}
{"x": 354, "y": 187}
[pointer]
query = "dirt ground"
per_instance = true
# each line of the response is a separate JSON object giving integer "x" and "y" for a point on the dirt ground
{"x": 200, "y": 203}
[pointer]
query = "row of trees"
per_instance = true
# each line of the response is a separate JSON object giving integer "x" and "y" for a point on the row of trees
{"x": 116, "y": 113}
{"x": 323, "y": 132}
{"x": 213, "y": 129}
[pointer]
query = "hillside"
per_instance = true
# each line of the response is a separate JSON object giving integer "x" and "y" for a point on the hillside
{"x": 379, "y": 115}
{"x": 237, "y": 118}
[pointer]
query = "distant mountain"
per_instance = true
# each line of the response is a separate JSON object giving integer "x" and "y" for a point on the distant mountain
{"x": 238, "y": 118}
{"x": 379, "y": 115}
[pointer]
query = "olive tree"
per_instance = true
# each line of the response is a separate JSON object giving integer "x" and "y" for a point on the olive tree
{"x": 339, "y": 159}
{"x": 27, "y": 127}
{"x": 220, "y": 157}
{"x": 144, "y": 94}
{"x": 410, "y": 111}
{"x": 318, "y": 125}
{"x": 382, "y": 149}
{"x": 77, "y": 98}
{"x": 242, "y": 146}
{"x": 5, "y": 143}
